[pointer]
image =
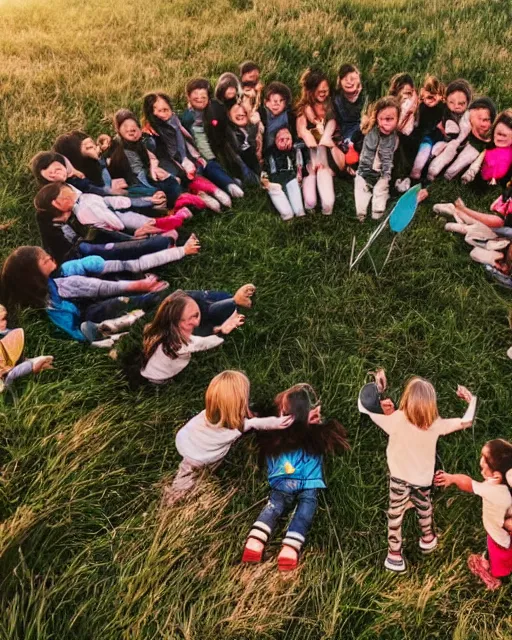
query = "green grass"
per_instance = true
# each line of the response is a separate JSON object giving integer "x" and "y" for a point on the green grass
{"x": 84, "y": 551}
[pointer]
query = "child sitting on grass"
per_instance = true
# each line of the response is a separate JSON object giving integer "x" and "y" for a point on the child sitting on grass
{"x": 430, "y": 114}
{"x": 277, "y": 113}
{"x": 284, "y": 164}
{"x": 207, "y": 121}
{"x": 315, "y": 126}
{"x": 12, "y": 364}
{"x": 75, "y": 293}
{"x": 495, "y": 491}
{"x": 413, "y": 432}
{"x": 453, "y": 128}
{"x": 376, "y": 161}
{"x": 206, "y": 439}
{"x": 174, "y": 147}
{"x": 294, "y": 460}
{"x": 348, "y": 103}
{"x": 244, "y": 145}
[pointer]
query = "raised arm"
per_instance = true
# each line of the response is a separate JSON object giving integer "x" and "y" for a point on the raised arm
{"x": 461, "y": 481}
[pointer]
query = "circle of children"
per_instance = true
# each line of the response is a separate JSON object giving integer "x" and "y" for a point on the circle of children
{"x": 115, "y": 205}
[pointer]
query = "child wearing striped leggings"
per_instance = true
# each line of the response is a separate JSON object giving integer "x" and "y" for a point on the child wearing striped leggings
{"x": 413, "y": 431}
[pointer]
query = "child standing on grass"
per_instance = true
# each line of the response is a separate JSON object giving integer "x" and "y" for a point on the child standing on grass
{"x": 413, "y": 432}
{"x": 495, "y": 491}
{"x": 294, "y": 459}
{"x": 206, "y": 439}
{"x": 376, "y": 160}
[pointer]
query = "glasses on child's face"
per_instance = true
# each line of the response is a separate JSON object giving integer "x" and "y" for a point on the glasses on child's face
{"x": 250, "y": 84}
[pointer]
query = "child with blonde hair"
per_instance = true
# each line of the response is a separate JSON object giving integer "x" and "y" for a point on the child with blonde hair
{"x": 206, "y": 439}
{"x": 413, "y": 432}
{"x": 376, "y": 160}
{"x": 495, "y": 491}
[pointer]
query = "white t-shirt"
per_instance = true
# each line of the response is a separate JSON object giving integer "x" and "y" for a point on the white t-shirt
{"x": 201, "y": 442}
{"x": 496, "y": 499}
{"x": 160, "y": 367}
{"x": 411, "y": 451}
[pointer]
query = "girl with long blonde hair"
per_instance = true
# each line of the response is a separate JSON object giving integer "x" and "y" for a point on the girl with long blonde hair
{"x": 413, "y": 432}
{"x": 206, "y": 439}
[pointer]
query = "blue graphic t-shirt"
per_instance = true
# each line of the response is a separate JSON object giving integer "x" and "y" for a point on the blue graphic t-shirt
{"x": 295, "y": 471}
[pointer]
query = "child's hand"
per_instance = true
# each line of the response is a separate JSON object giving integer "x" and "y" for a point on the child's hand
{"x": 442, "y": 479}
{"x": 119, "y": 183}
{"x": 147, "y": 229}
{"x": 149, "y": 284}
{"x": 284, "y": 422}
{"x": 192, "y": 245}
{"x": 387, "y": 406}
{"x": 464, "y": 394}
{"x": 159, "y": 198}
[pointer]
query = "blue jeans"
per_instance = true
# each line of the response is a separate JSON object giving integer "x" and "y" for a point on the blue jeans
{"x": 115, "y": 307}
{"x": 172, "y": 189}
{"x": 216, "y": 174}
{"x": 129, "y": 250}
{"x": 278, "y": 502}
{"x": 215, "y": 306}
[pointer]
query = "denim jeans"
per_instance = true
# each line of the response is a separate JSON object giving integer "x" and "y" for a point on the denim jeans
{"x": 215, "y": 306}
{"x": 171, "y": 187}
{"x": 216, "y": 174}
{"x": 278, "y": 502}
{"x": 129, "y": 250}
{"x": 115, "y": 307}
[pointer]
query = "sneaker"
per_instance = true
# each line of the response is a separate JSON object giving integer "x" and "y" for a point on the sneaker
{"x": 455, "y": 227}
{"x": 479, "y": 567}
{"x": 327, "y": 212}
{"x": 427, "y": 547}
{"x": 395, "y": 562}
{"x": 403, "y": 185}
{"x": 300, "y": 214}
{"x": 235, "y": 191}
{"x": 210, "y": 201}
{"x": 509, "y": 353}
{"x": 446, "y": 209}
{"x": 222, "y": 197}
{"x": 377, "y": 215}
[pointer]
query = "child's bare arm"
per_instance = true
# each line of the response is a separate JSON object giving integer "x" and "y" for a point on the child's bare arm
{"x": 461, "y": 481}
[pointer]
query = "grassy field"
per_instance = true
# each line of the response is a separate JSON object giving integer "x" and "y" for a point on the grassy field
{"x": 84, "y": 551}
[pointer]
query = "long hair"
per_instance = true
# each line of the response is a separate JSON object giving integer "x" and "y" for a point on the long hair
{"x": 42, "y": 161}
{"x": 22, "y": 284}
{"x": 164, "y": 329}
{"x": 226, "y": 81}
{"x": 227, "y": 400}
{"x": 324, "y": 438}
{"x": 309, "y": 82}
{"x": 369, "y": 119}
{"x": 148, "y": 102}
{"x": 419, "y": 403}
{"x": 119, "y": 165}
{"x": 433, "y": 85}
{"x": 70, "y": 146}
{"x": 398, "y": 82}
{"x": 45, "y": 197}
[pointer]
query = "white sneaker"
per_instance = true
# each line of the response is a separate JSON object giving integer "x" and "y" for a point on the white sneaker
{"x": 403, "y": 185}
{"x": 455, "y": 227}
{"x": 427, "y": 547}
{"x": 509, "y": 353}
{"x": 115, "y": 325}
{"x": 235, "y": 191}
{"x": 444, "y": 209}
{"x": 210, "y": 201}
{"x": 395, "y": 563}
{"x": 377, "y": 215}
{"x": 223, "y": 198}
{"x": 300, "y": 214}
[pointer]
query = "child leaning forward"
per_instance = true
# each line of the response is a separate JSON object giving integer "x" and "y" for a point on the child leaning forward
{"x": 206, "y": 439}
{"x": 413, "y": 432}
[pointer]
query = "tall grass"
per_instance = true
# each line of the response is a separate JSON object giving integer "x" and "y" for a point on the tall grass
{"x": 85, "y": 551}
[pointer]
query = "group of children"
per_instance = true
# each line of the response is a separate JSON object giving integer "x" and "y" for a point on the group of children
{"x": 118, "y": 204}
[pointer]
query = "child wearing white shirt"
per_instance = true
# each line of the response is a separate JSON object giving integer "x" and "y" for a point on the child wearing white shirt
{"x": 413, "y": 431}
{"x": 206, "y": 439}
{"x": 495, "y": 491}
